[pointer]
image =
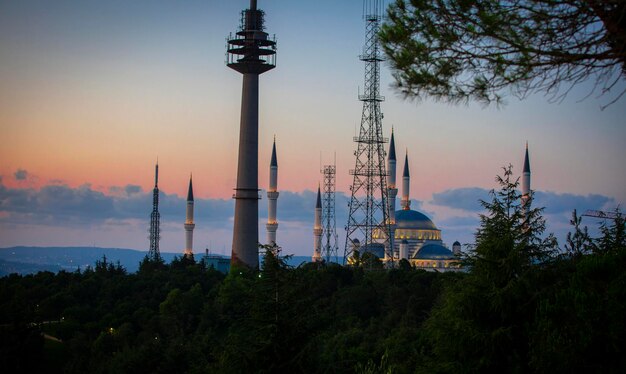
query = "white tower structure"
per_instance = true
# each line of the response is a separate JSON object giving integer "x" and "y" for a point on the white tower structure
{"x": 189, "y": 225}
{"x": 406, "y": 201}
{"x": 392, "y": 193}
{"x": 272, "y": 197}
{"x": 404, "y": 249}
{"x": 456, "y": 248}
{"x": 391, "y": 180}
{"x": 526, "y": 181}
{"x": 317, "y": 229}
{"x": 251, "y": 52}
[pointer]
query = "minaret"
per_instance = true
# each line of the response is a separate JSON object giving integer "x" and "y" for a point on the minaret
{"x": 272, "y": 197}
{"x": 456, "y": 248}
{"x": 155, "y": 220}
{"x": 317, "y": 229}
{"x": 404, "y": 249}
{"x": 391, "y": 179}
{"x": 526, "y": 181}
{"x": 189, "y": 225}
{"x": 250, "y": 52}
{"x": 393, "y": 192}
{"x": 406, "y": 201}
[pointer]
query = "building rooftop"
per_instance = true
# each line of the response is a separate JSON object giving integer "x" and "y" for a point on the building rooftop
{"x": 434, "y": 251}
{"x": 412, "y": 219}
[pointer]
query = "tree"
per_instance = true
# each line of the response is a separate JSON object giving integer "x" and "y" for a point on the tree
{"x": 613, "y": 237}
{"x": 480, "y": 323}
{"x": 461, "y": 50}
{"x": 579, "y": 242}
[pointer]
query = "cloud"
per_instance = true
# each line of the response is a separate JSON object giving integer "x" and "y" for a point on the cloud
{"x": 557, "y": 212}
{"x": 556, "y": 203}
{"x": 21, "y": 174}
{"x": 127, "y": 190}
{"x": 61, "y": 204}
{"x": 460, "y": 221}
{"x": 466, "y": 198}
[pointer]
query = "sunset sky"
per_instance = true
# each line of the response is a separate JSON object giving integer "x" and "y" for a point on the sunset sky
{"x": 92, "y": 92}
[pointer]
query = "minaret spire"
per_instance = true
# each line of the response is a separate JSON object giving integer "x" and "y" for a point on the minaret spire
{"x": 189, "y": 224}
{"x": 392, "y": 147}
{"x": 406, "y": 201}
{"x": 272, "y": 197}
{"x": 526, "y": 181}
{"x": 155, "y": 219}
{"x": 190, "y": 190}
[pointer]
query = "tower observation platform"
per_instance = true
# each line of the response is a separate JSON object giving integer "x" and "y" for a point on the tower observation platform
{"x": 251, "y": 50}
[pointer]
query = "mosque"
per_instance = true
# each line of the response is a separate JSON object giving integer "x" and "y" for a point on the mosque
{"x": 415, "y": 237}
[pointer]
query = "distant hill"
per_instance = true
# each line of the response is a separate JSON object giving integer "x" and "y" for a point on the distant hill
{"x": 32, "y": 259}
{"x": 29, "y": 260}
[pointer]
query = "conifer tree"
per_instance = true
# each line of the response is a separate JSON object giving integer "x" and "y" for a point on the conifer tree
{"x": 479, "y": 324}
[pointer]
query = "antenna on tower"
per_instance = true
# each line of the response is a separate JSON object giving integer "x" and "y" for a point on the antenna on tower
{"x": 155, "y": 220}
{"x": 329, "y": 246}
{"x": 368, "y": 222}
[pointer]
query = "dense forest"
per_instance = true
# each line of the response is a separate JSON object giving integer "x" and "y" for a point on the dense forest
{"x": 523, "y": 305}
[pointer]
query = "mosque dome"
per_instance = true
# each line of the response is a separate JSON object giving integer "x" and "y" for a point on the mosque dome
{"x": 412, "y": 219}
{"x": 433, "y": 251}
{"x": 413, "y": 225}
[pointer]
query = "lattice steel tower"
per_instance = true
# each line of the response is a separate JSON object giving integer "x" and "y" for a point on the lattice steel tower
{"x": 329, "y": 246}
{"x": 369, "y": 211}
{"x": 155, "y": 220}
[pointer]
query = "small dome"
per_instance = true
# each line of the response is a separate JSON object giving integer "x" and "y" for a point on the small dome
{"x": 411, "y": 219}
{"x": 377, "y": 249}
{"x": 434, "y": 251}
{"x": 456, "y": 243}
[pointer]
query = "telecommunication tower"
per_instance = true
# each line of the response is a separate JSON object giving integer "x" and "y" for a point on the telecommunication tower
{"x": 368, "y": 208}
{"x": 155, "y": 220}
{"x": 329, "y": 247}
{"x": 250, "y": 52}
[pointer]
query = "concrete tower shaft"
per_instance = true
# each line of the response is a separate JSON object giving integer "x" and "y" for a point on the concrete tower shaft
{"x": 250, "y": 52}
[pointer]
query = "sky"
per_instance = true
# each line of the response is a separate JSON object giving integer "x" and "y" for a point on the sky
{"x": 92, "y": 93}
